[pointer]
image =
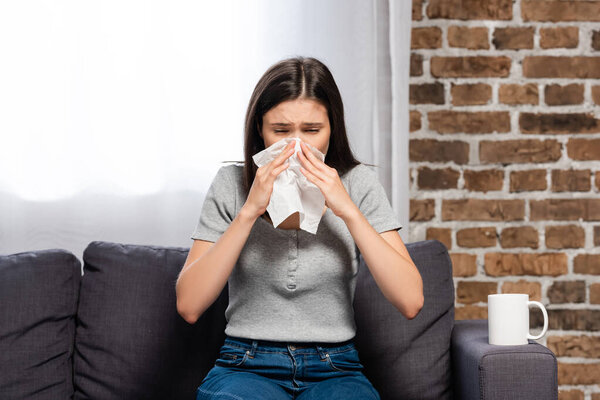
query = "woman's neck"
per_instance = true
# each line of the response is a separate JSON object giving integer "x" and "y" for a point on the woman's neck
{"x": 291, "y": 222}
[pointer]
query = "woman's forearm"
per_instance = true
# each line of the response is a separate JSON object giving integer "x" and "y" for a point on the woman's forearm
{"x": 396, "y": 275}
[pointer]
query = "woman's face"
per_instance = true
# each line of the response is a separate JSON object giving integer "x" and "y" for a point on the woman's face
{"x": 303, "y": 118}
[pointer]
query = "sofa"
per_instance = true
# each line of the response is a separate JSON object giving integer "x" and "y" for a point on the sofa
{"x": 113, "y": 332}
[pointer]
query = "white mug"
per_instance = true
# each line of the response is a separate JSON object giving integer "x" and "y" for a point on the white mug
{"x": 508, "y": 318}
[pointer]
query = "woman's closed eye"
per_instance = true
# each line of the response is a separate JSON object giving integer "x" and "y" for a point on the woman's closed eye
{"x": 308, "y": 130}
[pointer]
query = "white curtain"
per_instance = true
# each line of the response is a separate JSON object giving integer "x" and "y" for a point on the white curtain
{"x": 115, "y": 115}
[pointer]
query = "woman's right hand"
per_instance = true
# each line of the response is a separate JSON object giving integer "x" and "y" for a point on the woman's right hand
{"x": 262, "y": 186}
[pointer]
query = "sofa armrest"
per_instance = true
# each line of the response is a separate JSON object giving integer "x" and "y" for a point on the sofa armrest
{"x": 484, "y": 371}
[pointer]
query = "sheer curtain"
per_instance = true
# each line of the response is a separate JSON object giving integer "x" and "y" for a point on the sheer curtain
{"x": 115, "y": 115}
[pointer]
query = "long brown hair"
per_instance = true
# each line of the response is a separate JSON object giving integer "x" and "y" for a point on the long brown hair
{"x": 290, "y": 79}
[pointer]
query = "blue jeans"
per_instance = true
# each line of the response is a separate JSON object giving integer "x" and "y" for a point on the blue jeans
{"x": 259, "y": 369}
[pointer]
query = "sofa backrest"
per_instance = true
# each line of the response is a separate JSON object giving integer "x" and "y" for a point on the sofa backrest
{"x": 409, "y": 359}
{"x": 38, "y": 302}
{"x": 130, "y": 342}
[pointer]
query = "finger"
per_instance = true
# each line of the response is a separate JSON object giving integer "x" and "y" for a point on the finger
{"x": 312, "y": 178}
{"x": 287, "y": 151}
{"x": 278, "y": 170}
{"x": 308, "y": 154}
{"x": 311, "y": 167}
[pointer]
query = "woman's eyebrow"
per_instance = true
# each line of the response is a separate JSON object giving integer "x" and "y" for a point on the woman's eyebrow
{"x": 304, "y": 123}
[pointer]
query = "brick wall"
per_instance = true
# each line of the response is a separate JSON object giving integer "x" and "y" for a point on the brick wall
{"x": 505, "y": 162}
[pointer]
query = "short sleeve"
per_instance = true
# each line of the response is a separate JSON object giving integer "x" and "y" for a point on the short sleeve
{"x": 218, "y": 209}
{"x": 370, "y": 197}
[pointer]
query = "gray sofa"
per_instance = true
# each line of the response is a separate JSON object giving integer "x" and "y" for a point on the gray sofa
{"x": 114, "y": 333}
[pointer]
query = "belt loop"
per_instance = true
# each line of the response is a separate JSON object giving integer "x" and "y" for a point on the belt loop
{"x": 322, "y": 352}
{"x": 253, "y": 349}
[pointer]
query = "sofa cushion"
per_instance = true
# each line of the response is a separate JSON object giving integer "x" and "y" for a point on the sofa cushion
{"x": 408, "y": 359}
{"x": 38, "y": 300}
{"x": 131, "y": 343}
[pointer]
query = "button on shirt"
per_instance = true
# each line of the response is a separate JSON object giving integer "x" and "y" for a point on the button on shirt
{"x": 292, "y": 285}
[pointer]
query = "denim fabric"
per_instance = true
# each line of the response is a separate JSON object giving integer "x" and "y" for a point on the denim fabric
{"x": 257, "y": 369}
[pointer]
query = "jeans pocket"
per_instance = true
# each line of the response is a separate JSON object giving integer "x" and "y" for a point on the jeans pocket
{"x": 345, "y": 361}
{"x": 232, "y": 356}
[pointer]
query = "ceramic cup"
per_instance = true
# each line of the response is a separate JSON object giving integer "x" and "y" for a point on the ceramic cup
{"x": 508, "y": 319}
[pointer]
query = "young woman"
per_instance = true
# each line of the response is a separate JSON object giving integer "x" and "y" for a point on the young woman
{"x": 290, "y": 321}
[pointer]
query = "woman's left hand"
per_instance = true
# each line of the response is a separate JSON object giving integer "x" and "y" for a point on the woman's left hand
{"x": 327, "y": 180}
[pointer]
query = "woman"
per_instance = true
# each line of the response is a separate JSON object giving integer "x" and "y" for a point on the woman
{"x": 290, "y": 322}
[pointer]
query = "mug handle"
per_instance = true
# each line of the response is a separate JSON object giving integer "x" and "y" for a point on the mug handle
{"x": 541, "y": 306}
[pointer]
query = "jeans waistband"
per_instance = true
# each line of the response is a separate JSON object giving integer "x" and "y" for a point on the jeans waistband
{"x": 283, "y": 345}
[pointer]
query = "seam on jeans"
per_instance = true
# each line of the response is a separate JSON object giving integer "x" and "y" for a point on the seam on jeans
{"x": 210, "y": 392}
{"x": 375, "y": 392}
{"x": 340, "y": 351}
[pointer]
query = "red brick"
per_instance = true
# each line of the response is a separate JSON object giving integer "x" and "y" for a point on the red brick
{"x": 444, "y": 235}
{"x": 596, "y": 40}
{"x": 588, "y": 264}
{"x": 426, "y": 93}
{"x": 564, "y": 36}
{"x": 476, "y": 237}
{"x": 571, "y": 180}
{"x": 470, "y": 9}
{"x": 561, "y": 67}
{"x": 570, "y": 395}
{"x": 416, "y": 64}
{"x": 595, "y": 299}
{"x": 483, "y": 180}
{"x": 463, "y": 264}
{"x": 415, "y": 121}
{"x": 575, "y": 319}
{"x": 422, "y": 210}
{"x": 557, "y": 95}
{"x": 560, "y": 10}
{"x": 438, "y": 178}
{"x": 587, "y": 209}
{"x": 483, "y": 210}
{"x": 503, "y": 264}
{"x": 429, "y": 37}
{"x": 513, "y": 38}
{"x": 565, "y": 237}
{"x": 583, "y": 149}
{"x": 518, "y": 94}
{"x": 519, "y": 151}
{"x": 532, "y": 179}
{"x": 446, "y": 121}
{"x": 469, "y": 292}
{"x": 558, "y": 123}
{"x": 470, "y": 66}
{"x": 439, "y": 151}
{"x": 519, "y": 236}
{"x": 470, "y": 94}
{"x": 470, "y": 312}
{"x": 417, "y": 10}
{"x": 567, "y": 292}
{"x": 584, "y": 346}
{"x": 533, "y": 289}
{"x": 474, "y": 38}
{"x": 578, "y": 374}
{"x": 596, "y": 94}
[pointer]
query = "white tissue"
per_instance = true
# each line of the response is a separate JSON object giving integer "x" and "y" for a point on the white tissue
{"x": 292, "y": 191}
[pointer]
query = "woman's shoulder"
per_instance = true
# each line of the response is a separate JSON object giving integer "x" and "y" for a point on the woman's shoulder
{"x": 360, "y": 172}
{"x": 231, "y": 171}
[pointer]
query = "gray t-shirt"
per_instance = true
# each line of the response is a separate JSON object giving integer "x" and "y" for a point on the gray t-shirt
{"x": 292, "y": 285}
